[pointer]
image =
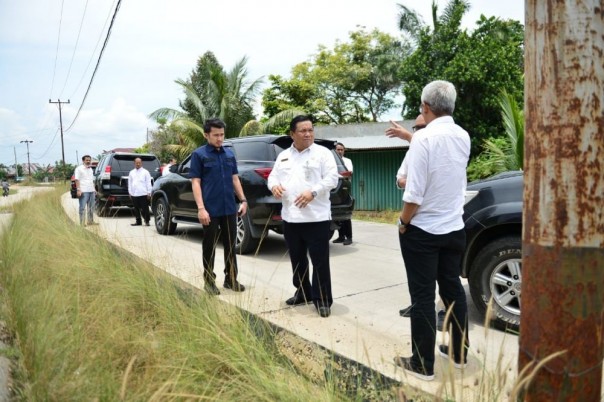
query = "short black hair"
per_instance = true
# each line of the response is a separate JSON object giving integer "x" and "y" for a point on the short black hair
{"x": 86, "y": 156}
{"x": 299, "y": 119}
{"x": 215, "y": 122}
{"x": 339, "y": 143}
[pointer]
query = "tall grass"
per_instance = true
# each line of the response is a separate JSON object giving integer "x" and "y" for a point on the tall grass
{"x": 95, "y": 323}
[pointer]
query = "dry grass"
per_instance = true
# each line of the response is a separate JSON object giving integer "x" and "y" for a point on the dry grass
{"x": 387, "y": 216}
{"x": 94, "y": 323}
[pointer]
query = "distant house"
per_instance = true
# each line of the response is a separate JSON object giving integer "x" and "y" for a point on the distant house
{"x": 376, "y": 159}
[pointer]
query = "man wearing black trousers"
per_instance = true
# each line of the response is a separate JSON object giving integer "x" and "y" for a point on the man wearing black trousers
{"x": 431, "y": 230}
{"x": 215, "y": 183}
{"x": 302, "y": 177}
{"x": 139, "y": 188}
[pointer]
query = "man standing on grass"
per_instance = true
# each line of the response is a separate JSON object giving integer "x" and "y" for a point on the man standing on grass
{"x": 139, "y": 188}
{"x": 431, "y": 230}
{"x": 85, "y": 189}
{"x": 215, "y": 181}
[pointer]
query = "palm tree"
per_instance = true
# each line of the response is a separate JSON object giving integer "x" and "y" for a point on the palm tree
{"x": 272, "y": 125}
{"x": 411, "y": 23}
{"x": 228, "y": 96}
{"x": 507, "y": 153}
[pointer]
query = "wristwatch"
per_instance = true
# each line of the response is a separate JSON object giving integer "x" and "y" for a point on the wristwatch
{"x": 314, "y": 194}
{"x": 401, "y": 224}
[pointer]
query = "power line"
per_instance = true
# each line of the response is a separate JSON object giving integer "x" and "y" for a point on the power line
{"x": 117, "y": 7}
{"x": 54, "y": 70}
{"x": 93, "y": 52}
{"x": 74, "y": 49}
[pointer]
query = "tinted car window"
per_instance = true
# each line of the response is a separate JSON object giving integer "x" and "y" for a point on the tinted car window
{"x": 251, "y": 151}
{"x": 126, "y": 162}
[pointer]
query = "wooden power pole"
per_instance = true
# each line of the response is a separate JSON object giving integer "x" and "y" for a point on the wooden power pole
{"x": 61, "y": 125}
{"x": 563, "y": 239}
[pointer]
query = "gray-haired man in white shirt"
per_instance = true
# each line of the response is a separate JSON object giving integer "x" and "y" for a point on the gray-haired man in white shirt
{"x": 431, "y": 230}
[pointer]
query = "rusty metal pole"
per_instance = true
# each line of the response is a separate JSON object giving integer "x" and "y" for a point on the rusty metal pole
{"x": 563, "y": 239}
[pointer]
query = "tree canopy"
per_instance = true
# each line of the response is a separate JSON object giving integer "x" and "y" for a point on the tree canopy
{"x": 357, "y": 81}
{"x": 480, "y": 64}
{"x": 210, "y": 92}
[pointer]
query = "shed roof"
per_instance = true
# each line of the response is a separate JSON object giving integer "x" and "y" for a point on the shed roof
{"x": 364, "y": 136}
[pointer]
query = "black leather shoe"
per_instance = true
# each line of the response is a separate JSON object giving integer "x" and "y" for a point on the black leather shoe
{"x": 347, "y": 242}
{"x": 136, "y": 224}
{"x": 338, "y": 240}
{"x": 296, "y": 300}
{"x": 406, "y": 312}
{"x": 324, "y": 311}
{"x": 147, "y": 223}
{"x": 211, "y": 288}
{"x": 234, "y": 286}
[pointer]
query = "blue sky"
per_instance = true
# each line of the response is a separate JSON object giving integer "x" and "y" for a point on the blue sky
{"x": 153, "y": 43}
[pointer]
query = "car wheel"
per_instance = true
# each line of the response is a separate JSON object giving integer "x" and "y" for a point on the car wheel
{"x": 163, "y": 219}
{"x": 496, "y": 273}
{"x": 245, "y": 243}
{"x": 101, "y": 207}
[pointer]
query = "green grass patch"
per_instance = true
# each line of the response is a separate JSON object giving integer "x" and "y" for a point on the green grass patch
{"x": 91, "y": 322}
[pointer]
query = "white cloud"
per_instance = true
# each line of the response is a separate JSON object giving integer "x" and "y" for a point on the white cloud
{"x": 153, "y": 43}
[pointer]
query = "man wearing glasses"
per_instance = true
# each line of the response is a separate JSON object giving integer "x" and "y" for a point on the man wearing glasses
{"x": 431, "y": 230}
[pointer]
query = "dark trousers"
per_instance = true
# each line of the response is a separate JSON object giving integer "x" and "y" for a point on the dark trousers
{"x": 141, "y": 206}
{"x": 345, "y": 231}
{"x": 304, "y": 239}
{"x": 429, "y": 259}
{"x": 225, "y": 228}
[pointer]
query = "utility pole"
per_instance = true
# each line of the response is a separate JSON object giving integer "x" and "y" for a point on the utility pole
{"x": 27, "y": 142}
{"x": 16, "y": 168}
{"x": 562, "y": 321}
{"x": 61, "y": 124}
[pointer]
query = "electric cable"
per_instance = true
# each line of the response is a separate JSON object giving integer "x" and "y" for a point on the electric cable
{"x": 54, "y": 70}
{"x": 75, "y": 48}
{"x": 94, "y": 51}
{"x": 117, "y": 7}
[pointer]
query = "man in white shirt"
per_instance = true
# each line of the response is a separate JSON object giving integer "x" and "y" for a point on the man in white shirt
{"x": 85, "y": 189}
{"x": 302, "y": 177}
{"x": 139, "y": 188}
{"x": 166, "y": 169}
{"x": 345, "y": 231}
{"x": 431, "y": 230}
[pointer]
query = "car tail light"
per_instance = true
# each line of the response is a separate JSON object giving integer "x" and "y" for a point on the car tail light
{"x": 346, "y": 173}
{"x": 263, "y": 172}
{"x": 107, "y": 173}
{"x": 277, "y": 218}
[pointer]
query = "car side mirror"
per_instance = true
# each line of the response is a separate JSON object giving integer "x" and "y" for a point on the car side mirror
{"x": 174, "y": 168}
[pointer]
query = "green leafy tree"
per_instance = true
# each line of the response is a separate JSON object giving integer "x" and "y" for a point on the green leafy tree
{"x": 502, "y": 153}
{"x": 480, "y": 64}
{"x": 160, "y": 139}
{"x": 210, "y": 92}
{"x": 63, "y": 172}
{"x": 278, "y": 124}
{"x": 357, "y": 81}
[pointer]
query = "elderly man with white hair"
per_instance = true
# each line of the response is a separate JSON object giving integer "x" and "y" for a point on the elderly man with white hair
{"x": 431, "y": 230}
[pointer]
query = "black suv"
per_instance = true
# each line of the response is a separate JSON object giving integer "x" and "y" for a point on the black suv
{"x": 493, "y": 258}
{"x": 111, "y": 179}
{"x": 172, "y": 200}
